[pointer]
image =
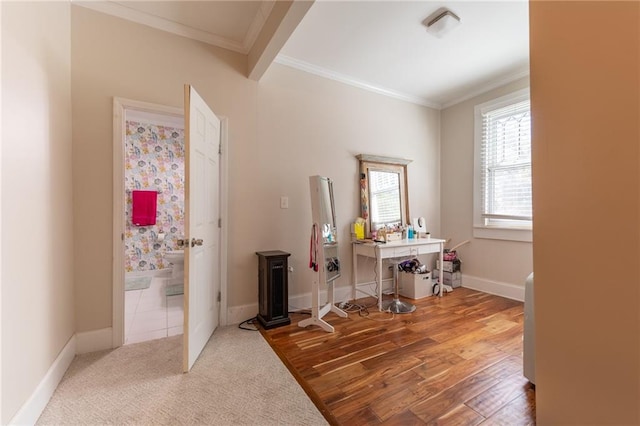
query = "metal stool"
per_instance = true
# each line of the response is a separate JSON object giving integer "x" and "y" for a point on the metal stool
{"x": 396, "y": 305}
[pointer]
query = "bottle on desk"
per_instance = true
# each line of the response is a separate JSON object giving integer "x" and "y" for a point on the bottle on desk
{"x": 410, "y": 232}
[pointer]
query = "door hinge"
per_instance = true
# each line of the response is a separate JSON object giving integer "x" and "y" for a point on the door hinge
{"x": 122, "y": 236}
{"x": 219, "y": 222}
{"x": 219, "y": 296}
{"x": 220, "y": 148}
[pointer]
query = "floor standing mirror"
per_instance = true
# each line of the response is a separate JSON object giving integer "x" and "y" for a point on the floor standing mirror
{"x": 323, "y": 252}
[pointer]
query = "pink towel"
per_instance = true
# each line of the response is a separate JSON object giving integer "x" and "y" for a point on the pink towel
{"x": 144, "y": 207}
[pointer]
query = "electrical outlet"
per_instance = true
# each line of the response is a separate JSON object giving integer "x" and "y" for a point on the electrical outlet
{"x": 284, "y": 202}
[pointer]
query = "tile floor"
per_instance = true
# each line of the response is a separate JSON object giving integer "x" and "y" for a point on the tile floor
{"x": 151, "y": 314}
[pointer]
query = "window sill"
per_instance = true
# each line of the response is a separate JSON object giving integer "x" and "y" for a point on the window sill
{"x": 507, "y": 234}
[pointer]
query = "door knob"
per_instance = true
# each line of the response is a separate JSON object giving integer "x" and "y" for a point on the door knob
{"x": 196, "y": 242}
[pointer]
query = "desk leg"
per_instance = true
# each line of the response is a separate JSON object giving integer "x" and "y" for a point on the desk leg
{"x": 354, "y": 272}
{"x": 441, "y": 274}
{"x": 379, "y": 279}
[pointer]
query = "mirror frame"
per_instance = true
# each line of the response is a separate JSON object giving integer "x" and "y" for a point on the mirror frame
{"x": 391, "y": 164}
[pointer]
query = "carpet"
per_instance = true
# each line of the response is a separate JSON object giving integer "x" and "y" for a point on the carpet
{"x": 137, "y": 283}
{"x": 237, "y": 380}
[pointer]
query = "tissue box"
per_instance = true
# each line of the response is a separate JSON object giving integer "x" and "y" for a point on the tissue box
{"x": 415, "y": 286}
{"x": 393, "y": 236}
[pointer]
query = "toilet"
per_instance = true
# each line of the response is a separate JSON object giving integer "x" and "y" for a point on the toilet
{"x": 176, "y": 258}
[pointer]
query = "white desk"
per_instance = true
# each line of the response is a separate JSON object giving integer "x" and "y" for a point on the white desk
{"x": 402, "y": 248}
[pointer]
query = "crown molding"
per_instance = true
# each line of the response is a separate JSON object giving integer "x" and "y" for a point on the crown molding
{"x": 120, "y": 11}
{"x": 322, "y": 72}
{"x": 332, "y": 75}
{"x": 493, "y": 84}
{"x": 257, "y": 24}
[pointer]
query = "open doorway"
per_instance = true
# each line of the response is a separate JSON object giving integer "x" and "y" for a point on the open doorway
{"x": 154, "y": 174}
{"x": 148, "y": 296}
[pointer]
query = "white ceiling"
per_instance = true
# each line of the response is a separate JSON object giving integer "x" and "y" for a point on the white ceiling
{"x": 377, "y": 45}
{"x": 384, "y": 44}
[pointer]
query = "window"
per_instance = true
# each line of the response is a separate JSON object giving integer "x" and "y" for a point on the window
{"x": 502, "y": 187}
{"x": 385, "y": 198}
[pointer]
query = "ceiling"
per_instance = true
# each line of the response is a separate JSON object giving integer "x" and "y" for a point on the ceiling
{"x": 376, "y": 45}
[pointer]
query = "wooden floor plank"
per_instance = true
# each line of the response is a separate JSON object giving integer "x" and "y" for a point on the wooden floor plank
{"x": 341, "y": 378}
{"x": 405, "y": 418}
{"x": 459, "y": 416}
{"x": 498, "y": 396}
{"x": 442, "y": 403}
{"x": 519, "y": 412}
{"x": 360, "y": 418}
{"x": 392, "y": 389}
{"x": 377, "y": 375}
{"x": 395, "y": 401}
{"x": 506, "y": 367}
{"x": 458, "y": 372}
{"x": 456, "y": 360}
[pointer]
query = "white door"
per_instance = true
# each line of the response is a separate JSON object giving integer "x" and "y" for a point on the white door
{"x": 202, "y": 234}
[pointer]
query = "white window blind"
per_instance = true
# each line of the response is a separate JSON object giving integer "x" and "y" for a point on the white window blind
{"x": 505, "y": 158}
{"x": 385, "y": 198}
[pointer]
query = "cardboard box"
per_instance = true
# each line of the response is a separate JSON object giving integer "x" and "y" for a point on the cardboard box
{"x": 449, "y": 265}
{"x": 415, "y": 286}
{"x": 454, "y": 279}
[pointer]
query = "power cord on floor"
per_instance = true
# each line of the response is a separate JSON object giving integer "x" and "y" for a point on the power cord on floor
{"x": 251, "y": 321}
{"x": 363, "y": 310}
{"x": 348, "y": 307}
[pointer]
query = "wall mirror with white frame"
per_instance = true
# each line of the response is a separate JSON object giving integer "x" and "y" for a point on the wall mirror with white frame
{"x": 384, "y": 199}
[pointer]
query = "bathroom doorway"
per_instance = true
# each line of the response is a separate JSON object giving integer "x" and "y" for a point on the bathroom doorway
{"x": 154, "y": 172}
{"x": 148, "y": 297}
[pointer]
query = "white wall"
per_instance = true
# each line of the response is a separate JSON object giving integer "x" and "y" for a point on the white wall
{"x": 310, "y": 125}
{"x": 37, "y": 245}
{"x": 489, "y": 264}
{"x": 283, "y": 129}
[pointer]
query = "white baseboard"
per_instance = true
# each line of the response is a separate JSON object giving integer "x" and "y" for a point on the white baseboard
{"x": 35, "y": 405}
{"x": 237, "y": 314}
{"x": 304, "y": 301}
{"x": 510, "y": 291}
{"x": 96, "y": 340}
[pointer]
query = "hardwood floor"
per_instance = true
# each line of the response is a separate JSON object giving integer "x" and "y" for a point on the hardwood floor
{"x": 454, "y": 361}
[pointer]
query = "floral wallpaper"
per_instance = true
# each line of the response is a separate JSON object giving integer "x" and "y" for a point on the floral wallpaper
{"x": 154, "y": 160}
